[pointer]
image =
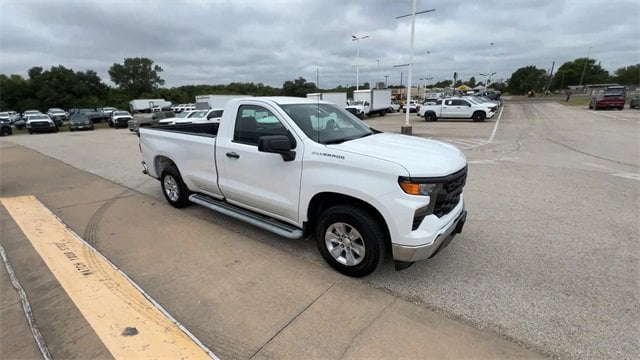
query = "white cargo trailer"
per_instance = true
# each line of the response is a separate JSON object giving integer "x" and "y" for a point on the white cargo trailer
{"x": 338, "y": 98}
{"x": 204, "y": 102}
{"x": 148, "y": 105}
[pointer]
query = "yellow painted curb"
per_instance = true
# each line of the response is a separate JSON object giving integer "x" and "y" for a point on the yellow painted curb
{"x": 128, "y": 323}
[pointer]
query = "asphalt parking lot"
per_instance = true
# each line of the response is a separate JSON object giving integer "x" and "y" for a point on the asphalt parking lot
{"x": 548, "y": 258}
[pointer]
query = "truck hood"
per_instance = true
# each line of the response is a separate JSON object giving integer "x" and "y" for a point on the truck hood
{"x": 420, "y": 157}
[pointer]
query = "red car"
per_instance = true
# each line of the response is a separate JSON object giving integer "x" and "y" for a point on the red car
{"x": 613, "y": 97}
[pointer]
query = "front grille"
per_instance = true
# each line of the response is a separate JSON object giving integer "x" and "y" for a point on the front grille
{"x": 40, "y": 125}
{"x": 449, "y": 196}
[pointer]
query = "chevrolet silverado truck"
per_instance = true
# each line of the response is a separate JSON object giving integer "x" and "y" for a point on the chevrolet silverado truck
{"x": 458, "y": 108}
{"x": 299, "y": 167}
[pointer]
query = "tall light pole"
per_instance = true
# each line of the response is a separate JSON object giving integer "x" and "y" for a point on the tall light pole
{"x": 406, "y": 128}
{"x": 385, "y": 81}
{"x": 357, "y": 40}
{"x": 585, "y": 66}
{"x": 486, "y": 82}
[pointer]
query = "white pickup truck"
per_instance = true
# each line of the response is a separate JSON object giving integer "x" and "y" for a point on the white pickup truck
{"x": 458, "y": 108}
{"x": 298, "y": 167}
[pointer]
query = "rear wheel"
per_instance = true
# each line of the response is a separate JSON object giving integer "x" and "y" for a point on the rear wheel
{"x": 350, "y": 240}
{"x": 173, "y": 188}
{"x": 478, "y": 116}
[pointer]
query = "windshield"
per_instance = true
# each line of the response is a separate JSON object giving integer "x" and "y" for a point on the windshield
{"x": 326, "y": 123}
{"x": 121, "y": 113}
{"x": 198, "y": 114}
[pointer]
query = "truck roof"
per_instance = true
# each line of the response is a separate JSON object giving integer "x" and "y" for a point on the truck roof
{"x": 284, "y": 100}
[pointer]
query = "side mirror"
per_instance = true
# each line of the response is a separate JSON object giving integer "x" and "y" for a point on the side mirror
{"x": 277, "y": 144}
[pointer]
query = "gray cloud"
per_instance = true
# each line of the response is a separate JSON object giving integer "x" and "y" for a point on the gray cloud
{"x": 217, "y": 42}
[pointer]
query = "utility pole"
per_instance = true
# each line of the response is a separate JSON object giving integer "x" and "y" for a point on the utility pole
{"x": 385, "y": 80}
{"x": 585, "y": 66}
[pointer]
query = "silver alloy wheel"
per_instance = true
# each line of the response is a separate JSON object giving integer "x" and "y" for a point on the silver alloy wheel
{"x": 344, "y": 243}
{"x": 171, "y": 188}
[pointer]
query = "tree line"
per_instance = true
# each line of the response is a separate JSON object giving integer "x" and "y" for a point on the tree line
{"x": 139, "y": 78}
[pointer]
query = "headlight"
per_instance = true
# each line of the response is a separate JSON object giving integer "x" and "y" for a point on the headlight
{"x": 414, "y": 188}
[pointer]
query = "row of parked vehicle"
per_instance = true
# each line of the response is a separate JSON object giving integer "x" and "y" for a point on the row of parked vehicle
{"x": 54, "y": 119}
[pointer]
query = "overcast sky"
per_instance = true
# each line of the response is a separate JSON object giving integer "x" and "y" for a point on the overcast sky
{"x": 271, "y": 41}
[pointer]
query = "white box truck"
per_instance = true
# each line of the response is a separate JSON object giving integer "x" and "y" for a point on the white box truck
{"x": 148, "y": 105}
{"x": 338, "y": 98}
{"x": 370, "y": 102}
{"x": 206, "y": 102}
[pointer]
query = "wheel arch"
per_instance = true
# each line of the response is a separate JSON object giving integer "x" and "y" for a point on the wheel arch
{"x": 161, "y": 162}
{"x": 322, "y": 201}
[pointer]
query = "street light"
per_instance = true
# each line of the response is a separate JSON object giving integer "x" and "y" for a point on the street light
{"x": 357, "y": 40}
{"x": 488, "y": 75}
{"x": 486, "y": 82}
{"x": 425, "y": 82}
{"x": 406, "y": 129}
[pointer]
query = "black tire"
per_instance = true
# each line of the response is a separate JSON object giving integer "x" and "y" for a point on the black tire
{"x": 361, "y": 116}
{"x": 5, "y": 131}
{"x": 430, "y": 116}
{"x": 173, "y": 188}
{"x": 340, "y": 221}
{"x": 30, "y": 132}
{"x": 478, "y": 116}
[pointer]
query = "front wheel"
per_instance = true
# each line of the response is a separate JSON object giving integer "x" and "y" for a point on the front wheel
{"x": 430, "y": 116}
{"x": 478, "y": 116}
{"x": 350, "y": 240}
{"x": 173, "y": 188}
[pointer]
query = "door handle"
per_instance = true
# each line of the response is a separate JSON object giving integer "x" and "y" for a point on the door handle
{"x": 233, "y": 155}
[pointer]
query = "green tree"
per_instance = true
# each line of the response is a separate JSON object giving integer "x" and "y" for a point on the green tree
{"x": 571, "y": 72}
{"x": 471, "y": 83}
{"x": 525, "y": 79}
{"x": 443, "y": 84}
{"x": 629, "y": 75}
{"x": 299, "y": 87}
{"x": 13, "y": 89}
{"x": 137, "y": 76}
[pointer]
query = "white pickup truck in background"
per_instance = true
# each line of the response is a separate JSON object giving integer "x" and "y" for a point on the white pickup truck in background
{"x": 298, "y": 167}
{"x": 458, "y": 108}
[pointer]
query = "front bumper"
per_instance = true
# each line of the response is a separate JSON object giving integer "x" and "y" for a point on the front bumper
{"x": 421, "y": 252}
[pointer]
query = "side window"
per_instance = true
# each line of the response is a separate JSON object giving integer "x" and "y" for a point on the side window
{"x": 448, "y": 102}
{"x": 254, "y": 121}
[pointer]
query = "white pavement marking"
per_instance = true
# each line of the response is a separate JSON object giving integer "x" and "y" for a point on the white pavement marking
{"x": 631, "y": 176}
{"x": 495, "y": 127}
{"x": 493, "y": 161}
{"x": 597, "y": 166}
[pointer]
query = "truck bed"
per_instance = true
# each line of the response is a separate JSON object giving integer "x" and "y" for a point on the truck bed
{"x": 204, "y": 129}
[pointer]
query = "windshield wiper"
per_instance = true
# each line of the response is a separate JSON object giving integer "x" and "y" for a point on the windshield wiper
{"x": 340, "y": 141}
{"x": 335, "y": 141}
